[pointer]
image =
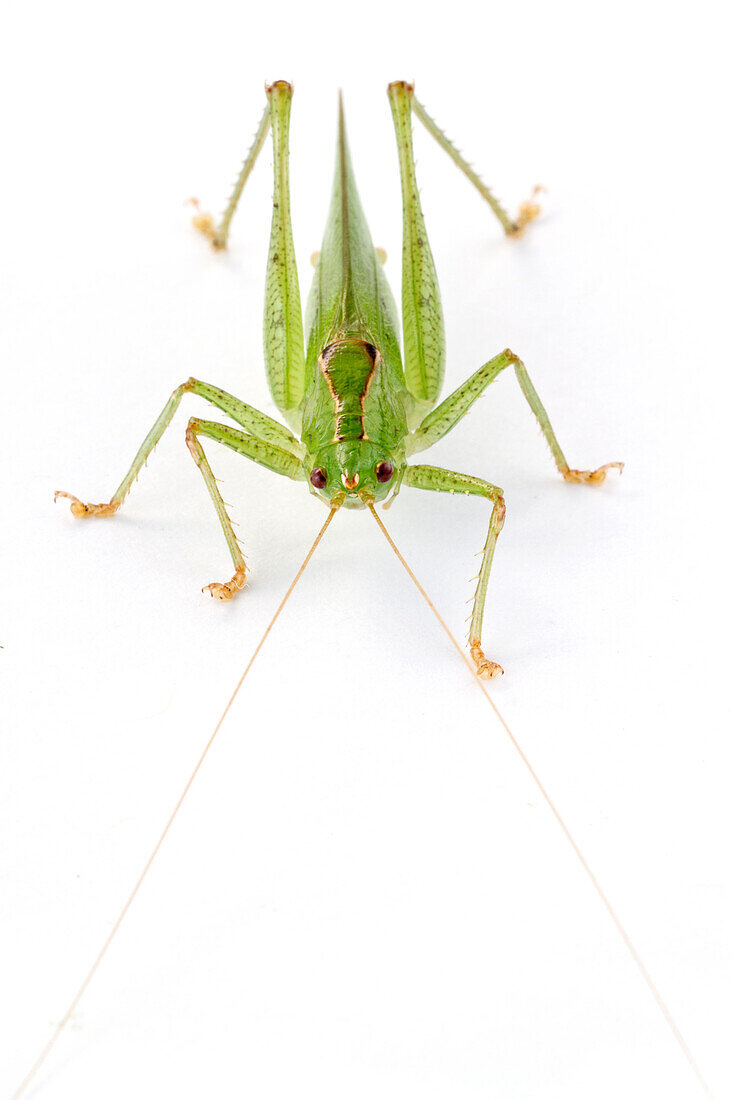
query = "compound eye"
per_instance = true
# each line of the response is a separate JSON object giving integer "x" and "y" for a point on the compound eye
{"x": 384, "y": 472}
{"x": 319, "y": 477}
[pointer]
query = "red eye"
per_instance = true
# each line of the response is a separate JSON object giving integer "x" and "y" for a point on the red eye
{"x": 319, "y": 477}
{"x": 384, "y": 471}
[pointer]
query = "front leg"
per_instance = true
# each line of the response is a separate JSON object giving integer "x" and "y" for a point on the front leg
{"x": 447, "y": 481}
{"x": 260, "y": 451}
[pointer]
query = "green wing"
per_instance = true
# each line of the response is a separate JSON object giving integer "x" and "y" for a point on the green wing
{"x": 350, "y": 296}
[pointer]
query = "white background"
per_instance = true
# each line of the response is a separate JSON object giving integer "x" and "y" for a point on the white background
{"x": 364, "y": 895}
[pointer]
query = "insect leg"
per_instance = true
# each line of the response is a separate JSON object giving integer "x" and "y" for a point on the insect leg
{"x": 284, "y": 350}
{"x": 528, "y": 211}
{"x": 422, "y": 314}
{"x": 591, "y": 477}
{"x": 447, "y": 481}
{"x": 260, "y": 451}
{"x": 218, "y": 235}
{"x": 441, "y": 420}
{"x": 251, "y": 419}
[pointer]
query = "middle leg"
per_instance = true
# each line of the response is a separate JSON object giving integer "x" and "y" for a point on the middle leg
{"x": 441, "y": 420}
{"x": 252, "y": 420}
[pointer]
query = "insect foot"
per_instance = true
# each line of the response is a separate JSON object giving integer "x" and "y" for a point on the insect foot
{"x": 228, "y": 589}
{"x": 82, "y": 510}
{"x": 592, "y": 477}
{"x": 205, "y": 224}
{"x": 485, "y": 669}
{"x": 528, "y": 211}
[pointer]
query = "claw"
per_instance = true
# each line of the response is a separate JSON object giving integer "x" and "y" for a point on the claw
{"x": 528, "y": 211}
{"x": 204, "y": 223}
{"x": 227, "y": 590}
{"x": 592, "y": 477}
{"x": 485, "y": 669}
{"x": 84, "y": 511}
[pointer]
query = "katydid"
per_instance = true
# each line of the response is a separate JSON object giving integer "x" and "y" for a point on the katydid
{"x": 358, "y": 405}
{"x": 358, "y": 408}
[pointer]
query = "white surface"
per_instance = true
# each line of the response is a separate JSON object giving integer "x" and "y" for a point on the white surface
{"x": 364, "y": 895}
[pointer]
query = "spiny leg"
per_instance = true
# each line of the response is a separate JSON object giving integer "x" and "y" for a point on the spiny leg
{"x": 218, "y": 235}
{"x": 255, "y": 422}
{"x": 589, "y": 477}
{"x": 528, "y": 210}
{"x": 445, "y": 417}
{"x": 221, "y": 590}
{"x": 260, "y": 451}
{"x": 447, "y": 481}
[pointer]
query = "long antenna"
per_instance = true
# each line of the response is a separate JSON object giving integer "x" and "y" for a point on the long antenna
{"x": 133, "y": 893}
{"x": 679, "y": 1037}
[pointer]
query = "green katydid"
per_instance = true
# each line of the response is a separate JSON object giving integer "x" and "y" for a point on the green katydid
{"x": 358, "y": 407}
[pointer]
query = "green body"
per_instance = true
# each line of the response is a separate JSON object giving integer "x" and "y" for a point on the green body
{"x": 351, "y": 404}
{"x": 358, "y": 405}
